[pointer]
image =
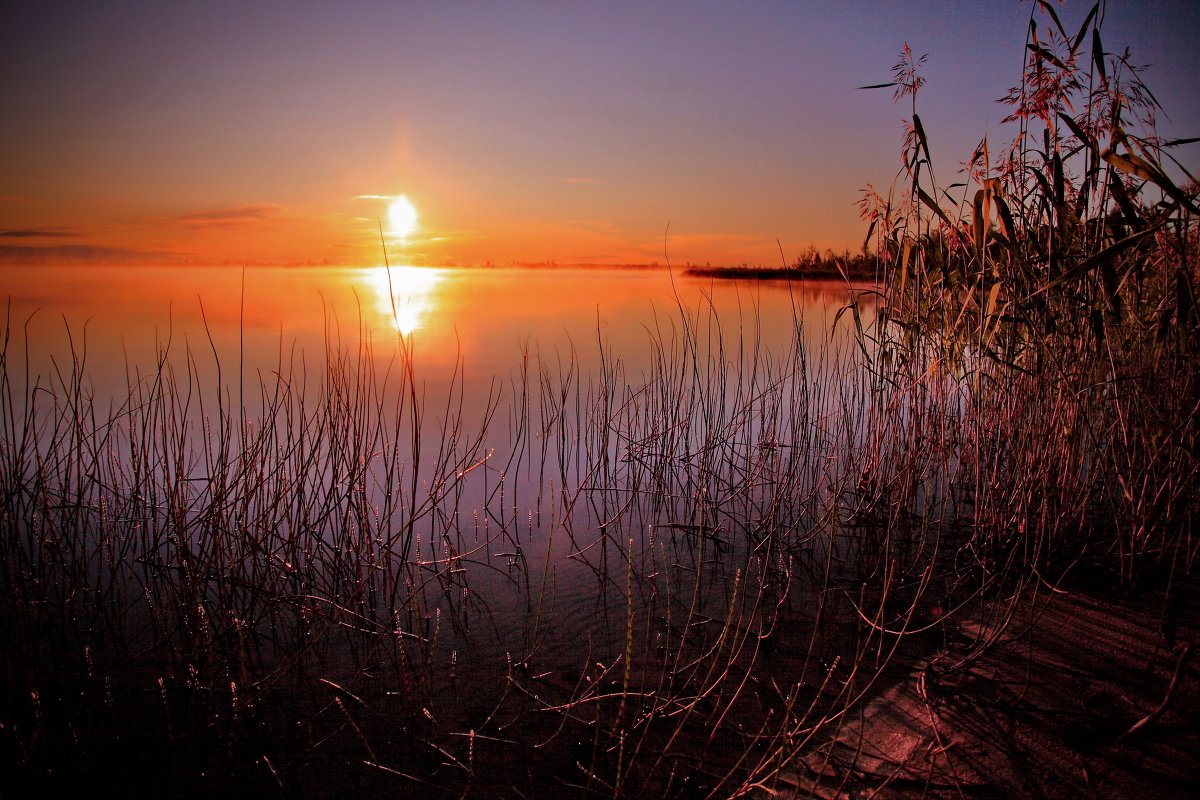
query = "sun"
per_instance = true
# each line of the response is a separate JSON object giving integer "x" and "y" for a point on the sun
{"x": 402, "y": 217}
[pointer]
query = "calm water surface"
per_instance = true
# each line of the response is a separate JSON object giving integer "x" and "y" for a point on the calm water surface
{"x": 481, "y": 322}
{"x": 543, "y": 523}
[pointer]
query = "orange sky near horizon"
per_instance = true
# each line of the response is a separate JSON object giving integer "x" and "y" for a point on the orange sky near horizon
{"x": 347, "y": 231}
{"x": 530, "y": 132}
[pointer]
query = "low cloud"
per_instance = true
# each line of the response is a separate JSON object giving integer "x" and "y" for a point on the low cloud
{"x": 80, "y": 254}
{"x": 233, "y": 215}
{"x": 580, "y": 180}
{"x": 32, "y": 233}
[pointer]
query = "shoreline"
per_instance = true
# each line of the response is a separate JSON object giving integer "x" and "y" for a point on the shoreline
{"x": 1071, "y": 695}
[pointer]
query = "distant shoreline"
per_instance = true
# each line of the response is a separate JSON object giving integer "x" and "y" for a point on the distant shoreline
{"x": 781, "y": 273}
{"x": 822, "y": 272}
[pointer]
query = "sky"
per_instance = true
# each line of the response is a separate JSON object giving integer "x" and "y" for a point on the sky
{"x": 566, "y": 132}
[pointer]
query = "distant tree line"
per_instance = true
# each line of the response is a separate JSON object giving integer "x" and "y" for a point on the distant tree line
{"x": 812, "y": 264}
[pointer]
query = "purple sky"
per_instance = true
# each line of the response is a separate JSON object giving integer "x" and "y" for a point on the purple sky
{"x": 520, "y": 131}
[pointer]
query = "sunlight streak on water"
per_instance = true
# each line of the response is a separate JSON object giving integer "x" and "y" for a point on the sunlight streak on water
{"x": 404, "y": 294}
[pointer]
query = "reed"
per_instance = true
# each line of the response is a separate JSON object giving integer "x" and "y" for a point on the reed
{"x": 1058, "y": 278}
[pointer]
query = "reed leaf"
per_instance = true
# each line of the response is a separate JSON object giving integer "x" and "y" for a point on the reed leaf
{"x": 1091, "y": 15}
{"x": 1094, "y": 261}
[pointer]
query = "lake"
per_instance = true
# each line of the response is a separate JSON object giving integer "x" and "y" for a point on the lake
{"x": 565, "y": 497}
{"x": 481, "y": 321}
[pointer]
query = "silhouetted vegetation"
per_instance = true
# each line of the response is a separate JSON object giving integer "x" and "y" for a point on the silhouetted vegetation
{"x": 811, "y": 265}
{"x": 1058, "y": 275}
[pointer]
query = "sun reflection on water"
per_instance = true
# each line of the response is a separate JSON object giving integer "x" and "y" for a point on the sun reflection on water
{"x": 404, "y": 295}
